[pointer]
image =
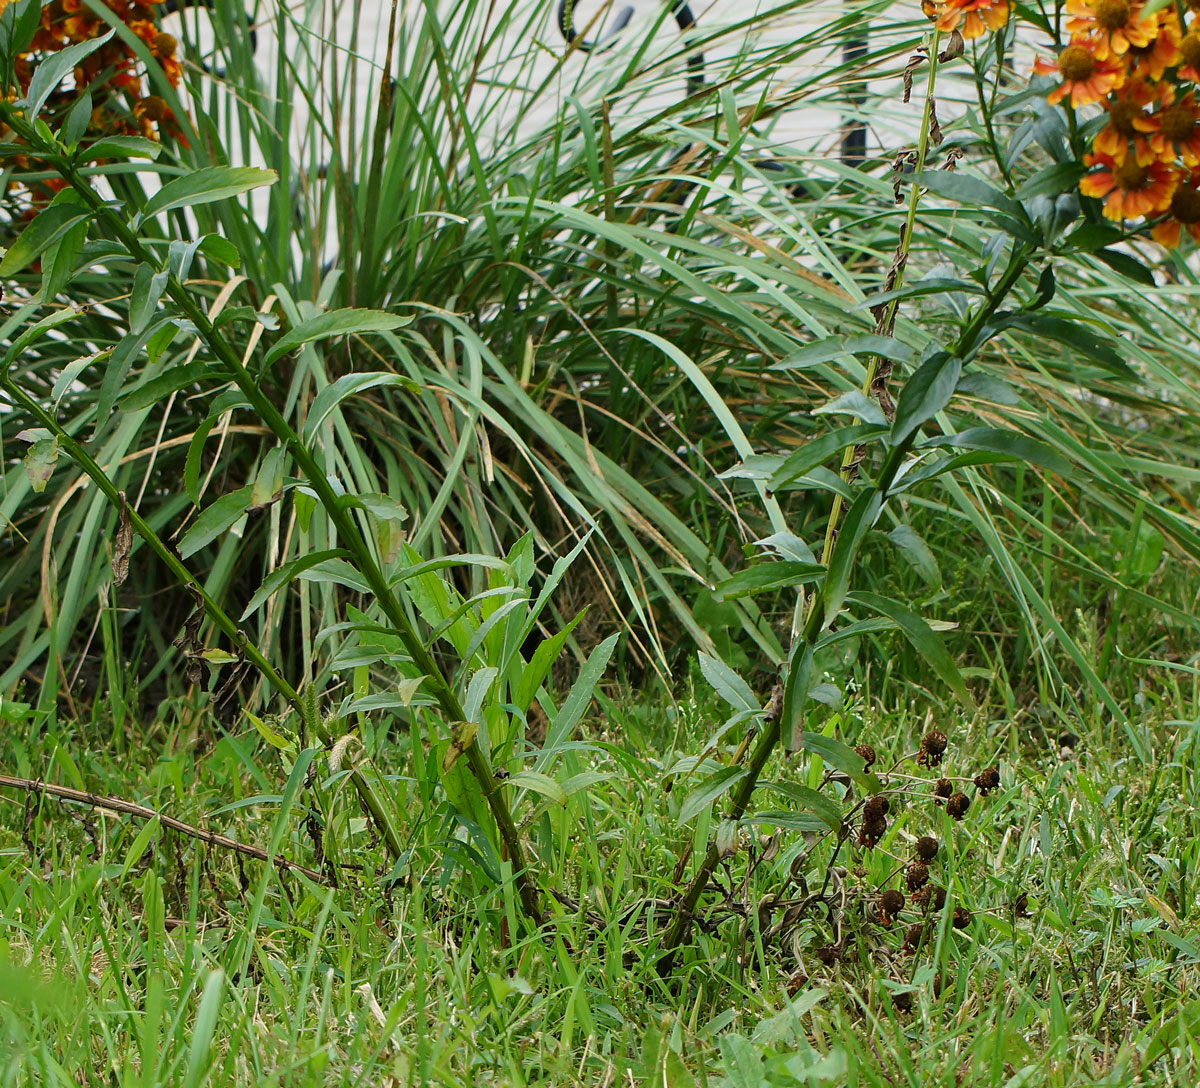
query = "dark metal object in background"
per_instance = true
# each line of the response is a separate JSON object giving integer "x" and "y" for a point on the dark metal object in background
{"x": 683, "y": 18}
{"x": 854, "y": 134}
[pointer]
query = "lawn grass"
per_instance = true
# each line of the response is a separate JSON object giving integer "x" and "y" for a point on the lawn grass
{"x": 135, "y": 956}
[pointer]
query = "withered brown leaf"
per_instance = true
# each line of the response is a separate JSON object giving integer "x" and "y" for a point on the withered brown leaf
{"x": 122, "y": 543}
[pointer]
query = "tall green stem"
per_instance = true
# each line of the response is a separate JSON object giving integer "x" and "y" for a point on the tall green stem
{"x": 801, "y": 658}
{"x": 347, "y": 531}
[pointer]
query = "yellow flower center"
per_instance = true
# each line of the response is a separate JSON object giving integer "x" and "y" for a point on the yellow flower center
{"x": 1190, "y": 48}
{"x": 1177, "y": 123}
{"x": 1111, "y": 14}
{"x": 1130, "y": 177}
{"x": 1121, "y": 115}
{"x": 1076, "y": 64}
{"x": 152, "y": 108}
{"x": 1185, "y": 205}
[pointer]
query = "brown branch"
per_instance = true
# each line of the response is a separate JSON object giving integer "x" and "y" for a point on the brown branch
{"x": 116, "y": 804}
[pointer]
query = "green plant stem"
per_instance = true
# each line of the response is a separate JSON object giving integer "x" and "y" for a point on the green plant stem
{"x": 685, "y": 908}
{"x": 901, "y": 258}
{"x": 347, "y": 531}
{"x": 362, "y": 785}
{"x": 806, "y": 639}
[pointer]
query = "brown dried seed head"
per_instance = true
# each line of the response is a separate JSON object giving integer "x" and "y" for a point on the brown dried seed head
{"x": 868, "y": 755}
{"x": 962, "y": 918}
{"x": 927, "y": 848}
{"x": 828, "y": 954}
{"x": 891, "y": 903}
{"x": 914, "y": 936}
{"x": 930, "y": 897}
{"x": 876, "y": 807}
{"x": 933, "y": 747}
{"x": 957, "y": 805}
{"x": 916, "y": 875}
{"x": 942, "y": 789}
{"x": 872, "y": 831}
{"x": 988, "y": 780}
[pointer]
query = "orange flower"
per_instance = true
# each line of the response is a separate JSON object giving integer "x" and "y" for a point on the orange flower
{"x": 1132, "y": 190}
{"x": 1151, "y": 61}
{"x": 1183, "y": 213}
{"x": 972, "y": 18}
{"x": 1189, "y": 53}
{"x": 1124, "y": 108}
{"x": 1086, "y": 77}
{"x": 1174, "y": 130}
{"x": 1116, "y": 24}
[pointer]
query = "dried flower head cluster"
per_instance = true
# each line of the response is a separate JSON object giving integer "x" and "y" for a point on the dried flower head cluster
{"x": 920, "y": 894}
{"x": 120, "y": 84}
{"x": 1139, "y": 62}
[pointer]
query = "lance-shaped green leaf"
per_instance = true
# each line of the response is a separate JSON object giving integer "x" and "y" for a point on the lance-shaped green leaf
{"x": 923, "y": 640}
{"x": 973, "y": 192}
{"x": 834, "y": 347}
{"x": 51, "y": 72}
{"x": 215, "y": 520}
{"x": 281, "y": 576}
{"x": 727, "y": 684}
{"x": 859, "y": 518}
{"x": 1010, "y": 444}
{"x": 803, "y": 799}
{"x": 817, "y": 451}
{"x": 762, "y": 577}
{"x": 335, "y": 323}
{"x": 841, "y": 757}
{"x": 925, "y": 394}
{"x": 206, "y": 186}
{"x": 709, "y": 791}
{"x": 42, "y": 233}
{"x": 539, "y": 783}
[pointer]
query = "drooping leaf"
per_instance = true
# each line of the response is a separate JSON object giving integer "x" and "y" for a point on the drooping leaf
{"x": 973, "y": 192}
{"x": 41, "y": 457}
{"x": 803, "y": 799}
{"x": 918, "y": 553}
{"x": 539, "y": 783}
{"x": 923, "y": 640}
{"x": 335, "y": 323}
{"x": 854, "y": 402}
